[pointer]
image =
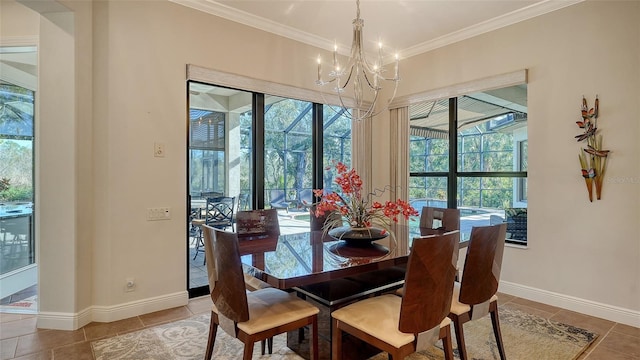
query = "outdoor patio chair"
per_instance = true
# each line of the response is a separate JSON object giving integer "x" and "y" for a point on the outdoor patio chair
{"x": 277, "y": 199}
{"x": 218, "y": 214}
{"x": 306, "y": 198}
{"x": 516, "y": 219}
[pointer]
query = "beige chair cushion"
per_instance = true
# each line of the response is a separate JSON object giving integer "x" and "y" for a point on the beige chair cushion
{"x": 459, "y": 308}
{"x": 270, "y": 308}
{"x": 379, "y": 317}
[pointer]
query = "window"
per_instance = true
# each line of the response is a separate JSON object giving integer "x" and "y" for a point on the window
{"x": 470, "y": 152}
{"x": 336, "y": 143}
{"x": 288, "y": 151}
{"x": 207, "y": 152}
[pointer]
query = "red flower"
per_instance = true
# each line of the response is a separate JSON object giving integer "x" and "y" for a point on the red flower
{"x": 353, "y": 208}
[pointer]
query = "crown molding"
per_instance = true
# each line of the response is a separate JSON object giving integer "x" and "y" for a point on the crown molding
{"x": 245, "y": 18}
{"x": 526, "y": 13}
{"x": 227, "y": 12}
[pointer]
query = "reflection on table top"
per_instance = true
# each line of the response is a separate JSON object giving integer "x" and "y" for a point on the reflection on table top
{"x": 307, "y": 258}
{"x": 13, "y": 209}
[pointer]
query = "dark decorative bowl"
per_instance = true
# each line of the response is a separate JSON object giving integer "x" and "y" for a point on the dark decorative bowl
{"x": 358, "y": 236}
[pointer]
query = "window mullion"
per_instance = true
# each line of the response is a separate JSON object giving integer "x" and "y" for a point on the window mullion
{"x": 317, "y": 150}
{"x": 258, "y": 150}
{"x": 452, "y": 180}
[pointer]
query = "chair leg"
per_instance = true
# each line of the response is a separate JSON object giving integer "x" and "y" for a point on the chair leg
{"x": 462, "y": 350}
{"x": 301, "y": 330}
{"x": 314, "y": 337}
{"x": 213, "y": 329}
{"x": 336, "y": 341}
{"x": 495, "y": 321}
{"x": 267, "y": 343}
{"x": 248, "y": 350}
{"x": 447, "y": 346}
{"x": 197, "y": 248}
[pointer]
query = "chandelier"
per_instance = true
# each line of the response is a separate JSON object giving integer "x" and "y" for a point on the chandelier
{"x": 365, "y": 76}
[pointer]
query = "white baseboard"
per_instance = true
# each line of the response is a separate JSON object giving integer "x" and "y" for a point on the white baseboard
{"x": 73, "y": 321}
{"x": 588, "y": 307}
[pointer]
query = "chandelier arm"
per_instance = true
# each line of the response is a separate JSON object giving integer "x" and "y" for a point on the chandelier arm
{"x": 322, "y": 82}
{"x": 371, "y": 86}
{"x": 359, "y": 71}
{"x": 346, "y": 83}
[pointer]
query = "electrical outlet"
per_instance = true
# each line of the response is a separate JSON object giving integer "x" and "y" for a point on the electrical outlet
{"x": 158, "y": 213}
{"x": 158, "y": 149}
{"x": 129, "y": 284}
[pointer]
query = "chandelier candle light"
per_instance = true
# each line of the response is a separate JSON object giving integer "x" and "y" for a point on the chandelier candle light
{"x": 364, "y": 75}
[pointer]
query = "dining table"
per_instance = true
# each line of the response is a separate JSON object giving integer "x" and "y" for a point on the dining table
{"x": 329, "y": 273}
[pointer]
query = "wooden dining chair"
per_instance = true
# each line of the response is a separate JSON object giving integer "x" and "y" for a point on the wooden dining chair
{"x": 249, "y": 316}
{"x": 440, "y": 218}
{"x": 475, "y": 296}
{"x": 403, "y": 325}
{"x": 257, "y": 223}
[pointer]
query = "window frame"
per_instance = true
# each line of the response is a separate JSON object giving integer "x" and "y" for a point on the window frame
{"x": 454, "y": 173}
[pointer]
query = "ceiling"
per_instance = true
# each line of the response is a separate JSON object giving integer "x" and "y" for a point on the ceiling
{"x": 406, "y": 27}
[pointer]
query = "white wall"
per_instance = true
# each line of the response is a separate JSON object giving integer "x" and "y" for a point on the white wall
{"x": 584, "y": 254}
{"x": 581, "y": 255}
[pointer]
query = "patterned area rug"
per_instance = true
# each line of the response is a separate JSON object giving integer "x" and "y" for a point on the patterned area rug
{"x": 526, "y": 337}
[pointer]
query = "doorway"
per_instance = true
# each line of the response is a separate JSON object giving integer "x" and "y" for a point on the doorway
{"x": 18, "y": 267}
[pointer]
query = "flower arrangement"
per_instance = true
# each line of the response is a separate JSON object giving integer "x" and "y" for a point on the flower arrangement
{"x": 593, "y": 158}
{"x": 356, "y": 210}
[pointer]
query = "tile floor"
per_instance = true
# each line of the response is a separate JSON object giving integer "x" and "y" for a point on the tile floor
{"x": 20, "y": 339}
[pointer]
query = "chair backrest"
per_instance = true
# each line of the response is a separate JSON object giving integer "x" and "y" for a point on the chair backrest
{"x": 276, "y": 195}
{"x": 482, "y": 265}
{"x": 429, "y": 279}
{"x": 306, "y": 197}
{"x": 257, "y": 222}
{"x": 219, "y": 211}
{"x": 224, "y": 268}
{"x": 449, "y": 218}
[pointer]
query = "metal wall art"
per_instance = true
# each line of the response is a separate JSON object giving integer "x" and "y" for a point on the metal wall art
{"x": 593, "y": 158}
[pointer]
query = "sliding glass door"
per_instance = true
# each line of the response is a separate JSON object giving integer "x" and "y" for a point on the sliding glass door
{"x": 257, "y": 149}
{"x": 219, "y": 163}
{"x": 18, "y": 271}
